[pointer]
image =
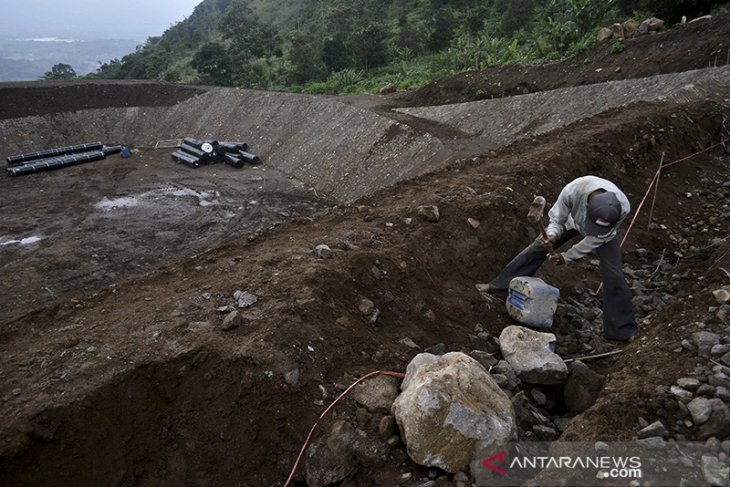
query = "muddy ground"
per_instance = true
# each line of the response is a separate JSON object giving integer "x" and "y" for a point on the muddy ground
{"x": 137, "y": 384}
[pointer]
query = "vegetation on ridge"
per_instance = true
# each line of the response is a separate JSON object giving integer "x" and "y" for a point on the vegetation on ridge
{"x": 341, "y": 46}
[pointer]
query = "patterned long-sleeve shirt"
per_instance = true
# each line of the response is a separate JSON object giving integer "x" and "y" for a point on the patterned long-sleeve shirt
{"x": 570, "y": 211}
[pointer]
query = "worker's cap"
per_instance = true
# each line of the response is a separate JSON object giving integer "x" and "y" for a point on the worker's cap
{"x": 604, "y": 211}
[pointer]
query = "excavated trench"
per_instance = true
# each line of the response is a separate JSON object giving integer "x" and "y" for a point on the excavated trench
{"x": 169, "y": 410}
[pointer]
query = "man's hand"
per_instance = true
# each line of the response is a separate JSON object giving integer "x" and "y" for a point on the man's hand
{"x": 556, "y": 259}
{"x": 548, "y": 242}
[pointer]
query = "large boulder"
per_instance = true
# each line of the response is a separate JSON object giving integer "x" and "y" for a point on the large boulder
{"x": 604, "y": 34}
{"x": 630, "y": 28}
{"x": 451, "y": 413}
{"x": 531, "y": 356}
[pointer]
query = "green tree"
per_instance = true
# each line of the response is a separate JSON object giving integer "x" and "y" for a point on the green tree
{"x": 60, "y": 71}
{"x": 213, "y": 64}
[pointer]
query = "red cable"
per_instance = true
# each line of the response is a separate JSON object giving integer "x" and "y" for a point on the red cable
{"x": 651, "y": 185}
{"x": 399, "y": 375}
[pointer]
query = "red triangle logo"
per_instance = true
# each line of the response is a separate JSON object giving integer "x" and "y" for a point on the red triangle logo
{"x": 499, "y": 456}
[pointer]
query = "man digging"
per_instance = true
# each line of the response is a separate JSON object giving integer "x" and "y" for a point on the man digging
{"x": 593, "y": 208}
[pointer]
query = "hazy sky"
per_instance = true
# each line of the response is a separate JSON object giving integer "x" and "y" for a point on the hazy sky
{"x": 91, "y": 19}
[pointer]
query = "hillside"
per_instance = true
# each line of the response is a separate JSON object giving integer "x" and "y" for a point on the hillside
{"x": 126, "y": 359}
{"x": 346, "y": 47}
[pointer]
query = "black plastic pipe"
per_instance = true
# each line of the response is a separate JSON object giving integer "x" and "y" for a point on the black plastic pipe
{"x": 58, "y": 151}
{"x": 232, "y": 146}
{"x": 185, "y": 158}
{"x": 114, "y": 149}
{"x": 52, "y": 163}
{"x": 250, "y": 158}
{"x": 232, "y": 160}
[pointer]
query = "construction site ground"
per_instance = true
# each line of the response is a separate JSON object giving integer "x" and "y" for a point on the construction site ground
{"x": 114, "y": 367}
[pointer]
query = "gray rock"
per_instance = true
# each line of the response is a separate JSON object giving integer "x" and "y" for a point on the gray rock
{"x": 226, "y": 309}
{"x": 501, "y": 380}
{"x": 538, "y": 397}
{"x": 689, "y": 383}
{"x": 530, "y": 355}
{"x": 723, "y": 314}
{"x": 452, "y": 413}
{"x": 723, "y": 394}
{"x": 726, "y": 358}
{"x": 292, "y": 377}
{"x": 681, "y": 394}
{"x": 323, "y": 251}
{"x": 705, "y": 340}
{"x": 486, "y": 359}
{"x": 706, "y": 390}
{"x": 245, "y": 299}
{"x": 429, "y": 213}
{"x": 700, "y": 409}
{"x": 231, "y": 321}
{"x": 407, "y": 342}
{"x": 718, "y": 425}
{"x": 387, "y": 427}
{"x": 438, "y": 349}
{"x": 330, "y": 459}
{"x": 366, "y": 307}
{"x": 654, "y": 429}
{"x": 376, "y": 394}
{"x": 714, "y": 471}
{"x": 719, "y": 379}
{"x": 582, "y": 388}
{"x": 720, "y": 349}
{"x": 420, "y": 360}
{"x": 722, "y": 295}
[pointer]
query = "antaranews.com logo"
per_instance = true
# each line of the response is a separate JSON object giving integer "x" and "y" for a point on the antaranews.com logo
{"x": 606, "y": 466}
{"x": 599, "y": 464}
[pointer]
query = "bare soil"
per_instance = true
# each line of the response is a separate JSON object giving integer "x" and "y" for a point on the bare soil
{"x": 129, "y": 380}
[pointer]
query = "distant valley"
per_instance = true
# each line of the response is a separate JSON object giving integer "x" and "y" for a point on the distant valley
{"x": 29, "y": 59}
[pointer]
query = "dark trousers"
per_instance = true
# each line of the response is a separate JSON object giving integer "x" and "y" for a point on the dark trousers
{"x": 618, "y": 309}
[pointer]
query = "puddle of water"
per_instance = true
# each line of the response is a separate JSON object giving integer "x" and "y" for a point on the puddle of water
{"x": 205, "y": 198}
{"x": 124, "y": 202}
{"x": 21, "y": 242}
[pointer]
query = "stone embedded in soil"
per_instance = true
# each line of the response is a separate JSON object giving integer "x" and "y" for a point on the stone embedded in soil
{"x": 323, "y": 251}
{"x": 720, "y": 349}
{"x": 376, "y": 394}
{"x": 429, "y": 212}
{"x": 366, "y": 307}
{"x": 700, "y": 408}
{"x": 704, "y": 341}
{"x": 245, "y": 299}
{"x": 718, "y": 425}
{"x": 387, "y": 427}
{"x": 654, "y": 429}
{"x": 722, "y": 295}
{"x": 538, "y": 397}
{"x": 231, "y": 321}
{"x": 330, "y": 458}
{"x": 292, "y": 377}
{"x": 486, "y": 359}
{"x": 451, "y": 413}
{"x": 530, "y": 355}
{"x": 681, "y": 394}
{"x": 689, "y": 383}
{"x": 582, "y": 387}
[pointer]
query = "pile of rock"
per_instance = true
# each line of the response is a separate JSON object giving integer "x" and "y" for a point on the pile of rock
{"x": 629, "y": 29}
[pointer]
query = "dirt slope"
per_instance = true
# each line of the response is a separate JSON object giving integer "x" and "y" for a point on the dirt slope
{"x": 139, "y": 385}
